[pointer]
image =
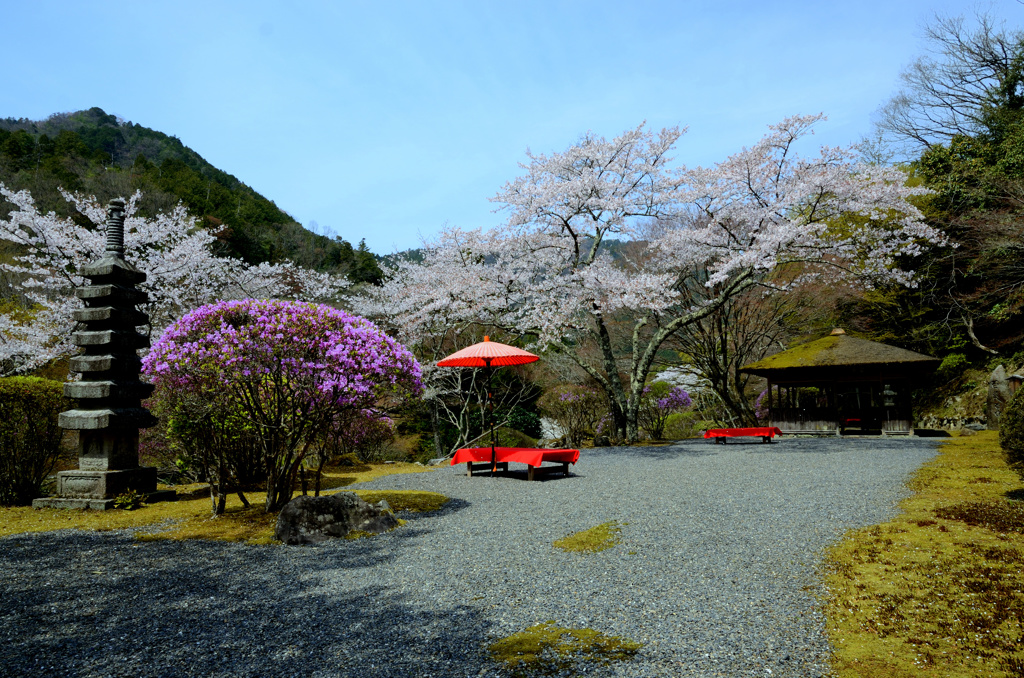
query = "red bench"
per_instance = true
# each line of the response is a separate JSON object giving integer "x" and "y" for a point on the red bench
{"x": 532, "y": 457}
{"x": 765, "y": 433}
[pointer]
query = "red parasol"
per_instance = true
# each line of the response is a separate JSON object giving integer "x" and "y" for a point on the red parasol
{"x": 488, "y": 354}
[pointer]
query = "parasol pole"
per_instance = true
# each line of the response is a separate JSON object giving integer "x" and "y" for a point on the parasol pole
{"x": 490, "y": 416}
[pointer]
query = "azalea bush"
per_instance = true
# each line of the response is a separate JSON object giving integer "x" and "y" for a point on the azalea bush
{"x": 657, "y": 402}
{"x": 291, "y": 368}
{"x": 204, "y": 438}
{"x": 576, "y": 410}
{"x": 761, "y": 409}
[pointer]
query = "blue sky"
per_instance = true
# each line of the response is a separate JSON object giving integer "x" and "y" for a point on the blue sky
{"x": 385, "y": 121}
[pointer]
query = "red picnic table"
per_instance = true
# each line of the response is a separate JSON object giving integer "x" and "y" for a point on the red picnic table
{"x": 765, "y": 433}
{"x": 532, "y": 457}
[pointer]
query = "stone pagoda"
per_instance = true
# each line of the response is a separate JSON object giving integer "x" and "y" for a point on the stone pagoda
{"x": 110, "y": 412}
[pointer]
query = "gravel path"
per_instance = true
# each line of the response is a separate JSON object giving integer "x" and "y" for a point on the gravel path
{"x": 715, "y": 574}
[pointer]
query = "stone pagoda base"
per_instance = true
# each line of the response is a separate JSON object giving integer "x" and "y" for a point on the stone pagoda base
{"x": 97, "y": 489}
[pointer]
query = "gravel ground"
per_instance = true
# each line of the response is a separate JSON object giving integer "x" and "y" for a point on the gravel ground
{"x": 715, "y": 575}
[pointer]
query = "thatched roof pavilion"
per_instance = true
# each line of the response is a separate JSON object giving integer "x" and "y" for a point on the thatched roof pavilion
{"x": 840, "y": 383}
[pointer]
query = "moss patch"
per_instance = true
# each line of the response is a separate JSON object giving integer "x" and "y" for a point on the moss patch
{"x": 250, "y": 525}
{"x": 939, "y": 590}
{"x": 189, "y": 517}
{"x": 404, "y": 500}
{"x": 839, "y": 349}
{"x": 599, "y": 538}
{"x": 545, "y": 649}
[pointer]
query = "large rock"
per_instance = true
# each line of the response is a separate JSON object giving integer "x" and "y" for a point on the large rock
{"x": 998, "y": 396}
{"x": 310, "y": 520}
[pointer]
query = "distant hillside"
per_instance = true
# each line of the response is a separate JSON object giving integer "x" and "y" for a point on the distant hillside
{"x": 100, "y": 154}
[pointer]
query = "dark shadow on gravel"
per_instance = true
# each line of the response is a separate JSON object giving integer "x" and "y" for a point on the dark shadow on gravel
{"x": 109, "y": 606}
{"x": 681, "y": 449}
{"x": 451, "y": 506}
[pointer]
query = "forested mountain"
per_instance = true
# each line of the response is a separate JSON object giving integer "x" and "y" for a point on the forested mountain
{"x": 100, "y": 154}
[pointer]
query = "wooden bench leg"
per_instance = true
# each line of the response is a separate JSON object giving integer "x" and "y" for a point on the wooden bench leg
{"x": 469, "y": 469}
{"x": 529, "y": 475}
{"x": 565, "y": 468}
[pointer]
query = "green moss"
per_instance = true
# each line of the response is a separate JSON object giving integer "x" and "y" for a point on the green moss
{"x": 546, "y": 649}
{"x": 839, "y": 349}
{"x": 939, "y": 589}
{"x": 599, "y": 538}
{"x": 404, "y": 500}
{"x": 189, "y": 517}
{"x": 359, "y": 534}
{"x": 819, "y": 352}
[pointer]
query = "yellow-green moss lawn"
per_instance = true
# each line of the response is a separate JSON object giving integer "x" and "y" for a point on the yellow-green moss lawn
{"x": 939, "y": 590}
{"x": 545, "y": 649}
{"x": 190, "y": 516}
{"x": 597, "y": 538}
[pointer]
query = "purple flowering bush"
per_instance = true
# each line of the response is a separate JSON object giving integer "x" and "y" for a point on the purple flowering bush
{"x": 658, "y": 401}
{"x": 761, "y": 407}
{"x": 291, "y": 368}
{"x": 576, "y": 409}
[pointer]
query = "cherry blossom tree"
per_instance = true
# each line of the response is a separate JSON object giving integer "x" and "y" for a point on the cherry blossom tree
{"x": 454, "y": 396}
{"x": 699, "y": 237}
{"x": 46, "y": 253}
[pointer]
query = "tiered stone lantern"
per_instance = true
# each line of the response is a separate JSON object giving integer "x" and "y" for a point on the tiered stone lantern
{"x": 110, "y": 393}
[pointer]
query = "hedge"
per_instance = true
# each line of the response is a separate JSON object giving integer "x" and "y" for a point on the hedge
{"x": 30, "y": 439}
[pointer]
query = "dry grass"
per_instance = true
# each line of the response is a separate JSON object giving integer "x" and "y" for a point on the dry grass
{"x": 939, "y": 590}
{"x": 189, "y": 517}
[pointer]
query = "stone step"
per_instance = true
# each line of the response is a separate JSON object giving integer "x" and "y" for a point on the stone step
{"x": 113, "y": 338}
{"x": 114, "y": 366}
{"x": 107, "y": 293}
{"x": 90, "y": 420}
{"x": 110, "y": 314}
{"x": 124, "y": 390}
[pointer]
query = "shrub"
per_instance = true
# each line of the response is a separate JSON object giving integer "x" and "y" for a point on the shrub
{"x": 30, "y": 439}
{"x": 952, "y": 366}
{"x": 525, "y": 421}
{"x": 365, "y": 434}
{"x": 575, "y": 408}
{"x": 761, "y": 410}
{"x": 657, "y": 402}
{"x": 290, "y": 368}
{"x": 688, "y": 424}
{"x": 1011, "y": 432}
{"x": 206, "y": 439}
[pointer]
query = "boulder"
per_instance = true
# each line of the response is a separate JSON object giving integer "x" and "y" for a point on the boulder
{"x": 998, "y": 396}
{"x": 311, "y": 520}
{"x": 602, "y": 441}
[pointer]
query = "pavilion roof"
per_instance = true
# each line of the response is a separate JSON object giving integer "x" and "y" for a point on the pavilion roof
{"x": 840, "y": 350}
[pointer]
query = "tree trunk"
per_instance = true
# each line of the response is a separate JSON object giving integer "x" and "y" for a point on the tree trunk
{"x": 435, "y": 429}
